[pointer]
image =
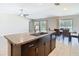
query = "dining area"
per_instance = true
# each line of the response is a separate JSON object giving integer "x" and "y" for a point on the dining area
{"x": 67, "y": 43}
{"x": 65, "y": 33}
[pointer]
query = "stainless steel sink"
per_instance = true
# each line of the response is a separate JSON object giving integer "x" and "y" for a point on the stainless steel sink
{"x": 38, "y": 34}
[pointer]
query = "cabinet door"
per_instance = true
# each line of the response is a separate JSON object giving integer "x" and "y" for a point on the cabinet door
{"x": 29, "y": 51}
{"x": 40, "y": 48}
{"x": 52, "y": 42}
{"x": 47, "y": 45}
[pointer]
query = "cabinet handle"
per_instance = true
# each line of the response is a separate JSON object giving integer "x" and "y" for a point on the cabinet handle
{"x": 31, "y": 45}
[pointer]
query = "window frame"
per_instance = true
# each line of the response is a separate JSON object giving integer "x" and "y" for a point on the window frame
{"x": 46, "y": 25}
{"x": 66, "y": 20}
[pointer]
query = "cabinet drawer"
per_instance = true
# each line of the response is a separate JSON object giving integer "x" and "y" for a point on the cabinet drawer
{"x": 30, "y": 44}
{"x": 29, "y": 49}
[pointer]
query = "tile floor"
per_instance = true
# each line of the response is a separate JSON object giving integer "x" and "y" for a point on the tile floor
{"x": 66, "y": 48}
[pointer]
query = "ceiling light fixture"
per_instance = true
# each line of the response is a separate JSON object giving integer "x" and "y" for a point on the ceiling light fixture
{"x": 65, "y": 9}
{"x": 21, "y": 13}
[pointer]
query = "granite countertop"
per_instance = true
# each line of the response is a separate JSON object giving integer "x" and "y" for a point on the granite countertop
{"x": 22, "y": 38}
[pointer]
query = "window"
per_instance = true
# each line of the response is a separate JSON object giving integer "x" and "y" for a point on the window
{"x": 36, "y": 26}
{"x": 40, "y": 26}
{"x": 43, "y": 26}
{"x": 65, "y": 24}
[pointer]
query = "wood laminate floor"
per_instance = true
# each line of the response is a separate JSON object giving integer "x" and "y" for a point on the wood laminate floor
{"x": 66, "y": 48}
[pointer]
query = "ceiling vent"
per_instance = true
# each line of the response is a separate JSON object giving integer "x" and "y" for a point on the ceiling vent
{"x": 57, "y": 4}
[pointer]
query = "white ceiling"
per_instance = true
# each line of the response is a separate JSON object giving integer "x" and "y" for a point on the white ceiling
{"x": 40, "y": 10}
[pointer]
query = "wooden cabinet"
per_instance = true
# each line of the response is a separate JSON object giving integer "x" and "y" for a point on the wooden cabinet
{"x": 40, "y": 51}
{"x": 44, "y": 46}
{"x": 52, "y": 42}
{"x": 29, "y": 49}
{"x": 47, "y": 48}
{"x": 47, "y": 45}
{"x": 39, "y": 47}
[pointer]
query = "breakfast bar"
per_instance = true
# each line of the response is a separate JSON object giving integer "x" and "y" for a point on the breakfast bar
{"x": 31, "y": 44}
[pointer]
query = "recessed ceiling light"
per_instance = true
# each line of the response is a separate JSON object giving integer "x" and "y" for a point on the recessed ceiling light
{"x": 65, "y": 8}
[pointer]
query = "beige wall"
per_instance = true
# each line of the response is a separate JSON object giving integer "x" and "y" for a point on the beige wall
{"x": 52, "y": 22}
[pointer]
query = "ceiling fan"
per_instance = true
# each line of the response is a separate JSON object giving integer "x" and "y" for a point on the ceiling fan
{"x": 21, "y": 13}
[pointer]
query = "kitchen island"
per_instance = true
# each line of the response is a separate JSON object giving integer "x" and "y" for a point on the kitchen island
{"x": 31, "y": 44}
